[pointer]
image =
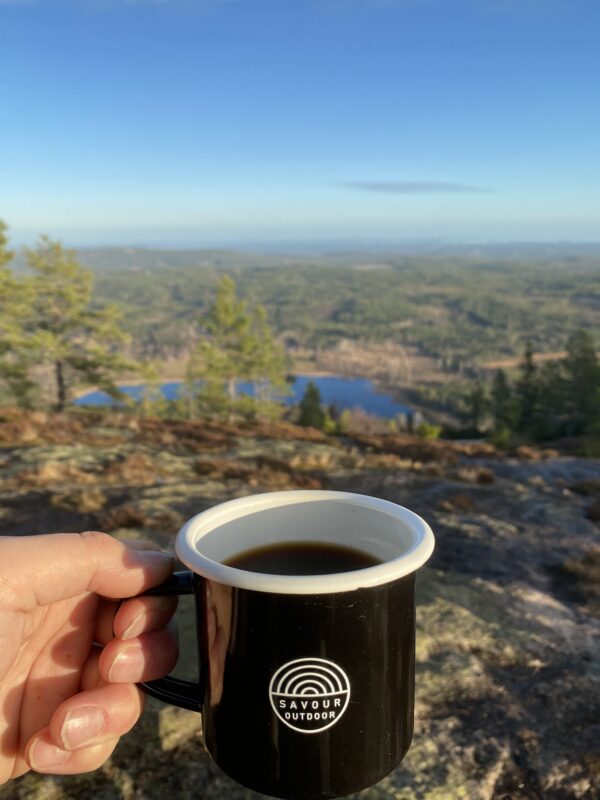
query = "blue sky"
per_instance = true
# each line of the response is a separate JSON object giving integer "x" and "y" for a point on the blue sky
{"x": 187, "y": 122}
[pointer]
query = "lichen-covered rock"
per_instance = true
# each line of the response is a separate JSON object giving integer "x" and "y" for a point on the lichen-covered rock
{"x": 137, "y": 468}
{"x": 85, "y": 501}
{"x": 481, "y": 475}
{"x": 124, "y": 516}
{"x": 508, "y": 638}
{"x": 456, "y": 502}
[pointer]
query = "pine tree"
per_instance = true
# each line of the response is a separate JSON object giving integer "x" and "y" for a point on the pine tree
{"x": 502, "y": 403}
{"x": 16, "y": 347}
{"x": 75, "y": 338}
{"x": 551, "y": 410}
{"x": 237, "y": 344}
{"x": 267, "y": 364}
{"x": 582, "y": 381}
{"x": 311, "y": 412}
{"x": 152, "y": 402}
{"x": 6, "y": 255}
{"x": 476, "y": 405}
{"x": 527, "y": 394}
{"x": 219, "y": 359}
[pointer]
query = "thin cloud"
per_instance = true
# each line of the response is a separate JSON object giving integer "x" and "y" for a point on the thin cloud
{"x": 415, "y": 187}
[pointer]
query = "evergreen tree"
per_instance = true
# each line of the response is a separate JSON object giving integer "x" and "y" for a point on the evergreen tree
{"x": 219, "y": 359}
{"x": 582, "y": 381}
{"x": 527, "y": 394}
{"x": 502, "y": 402}
{"x": 72, "y": 336}
{"x": 152, "y": 402}
{"x": 476, "y": 405}
{"x": 268, "y": 363}
{"x": 6, "y": 255}
{"x": 16, "y": 347}
{"x": 237, "y": 344}
{"x": 551, "y": 401}
{"x": 311, "y": 412}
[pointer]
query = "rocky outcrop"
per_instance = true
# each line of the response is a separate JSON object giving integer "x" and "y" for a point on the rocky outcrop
{"x": 508, "y": 644}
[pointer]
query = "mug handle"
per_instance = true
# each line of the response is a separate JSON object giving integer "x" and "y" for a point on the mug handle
{"x": 177, "y": 692}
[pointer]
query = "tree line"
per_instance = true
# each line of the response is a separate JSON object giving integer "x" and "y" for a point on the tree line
{"x": 542, "y": 401}
{"x": 55, "y": 337}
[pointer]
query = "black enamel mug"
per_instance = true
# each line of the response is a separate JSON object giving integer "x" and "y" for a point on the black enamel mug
{"x": 306, "y": 683}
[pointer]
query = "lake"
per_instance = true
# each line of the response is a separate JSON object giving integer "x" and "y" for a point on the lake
{"x": 342, "y": 392}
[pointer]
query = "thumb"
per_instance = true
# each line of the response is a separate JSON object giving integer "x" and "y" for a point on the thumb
{"x": 58, "y": 566}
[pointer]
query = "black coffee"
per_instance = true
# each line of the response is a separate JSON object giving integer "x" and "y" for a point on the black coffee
{"x": 302, "y": 558}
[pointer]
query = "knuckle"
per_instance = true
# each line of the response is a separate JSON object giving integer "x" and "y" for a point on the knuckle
{"x": 96, "y": 539}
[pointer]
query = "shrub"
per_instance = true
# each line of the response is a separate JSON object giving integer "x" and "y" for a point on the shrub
{"x": 428, "y": 431}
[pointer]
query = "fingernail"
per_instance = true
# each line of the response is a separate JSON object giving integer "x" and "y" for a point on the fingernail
{"x": 135, "y": 627}
{"x": 43, "y": 756}
{"x": 81, "y": 726}
{"x": 141, "y": 619}
{"x": 127, "y": 666}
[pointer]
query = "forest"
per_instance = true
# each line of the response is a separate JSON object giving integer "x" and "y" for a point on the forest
{"x": 460, "y": 311}
{"x": 501, "y": 346}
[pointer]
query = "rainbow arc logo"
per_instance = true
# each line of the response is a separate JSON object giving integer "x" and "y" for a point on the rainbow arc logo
{"x": 309, "y": 695}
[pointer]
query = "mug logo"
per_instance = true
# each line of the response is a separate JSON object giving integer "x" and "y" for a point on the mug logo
{"x": 309, "y": 694}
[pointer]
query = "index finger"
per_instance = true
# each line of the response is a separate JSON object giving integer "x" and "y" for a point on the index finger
{"x": 52, "y": 567}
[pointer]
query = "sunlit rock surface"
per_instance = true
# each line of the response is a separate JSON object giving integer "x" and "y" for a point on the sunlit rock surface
{"x": 508, "y": 653}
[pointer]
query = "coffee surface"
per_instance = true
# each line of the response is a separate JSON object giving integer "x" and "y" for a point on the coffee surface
{"x": 302, "y": 558}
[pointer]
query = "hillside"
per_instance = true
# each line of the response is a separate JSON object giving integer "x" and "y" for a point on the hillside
{"x": 508, "y": 641}
{"x": 422, "y": 326}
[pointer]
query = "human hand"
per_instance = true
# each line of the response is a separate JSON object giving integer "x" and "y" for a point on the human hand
{"x": 70, "y": 653}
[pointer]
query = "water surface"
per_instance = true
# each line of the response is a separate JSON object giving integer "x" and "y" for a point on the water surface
{"x": 343, "y": 393}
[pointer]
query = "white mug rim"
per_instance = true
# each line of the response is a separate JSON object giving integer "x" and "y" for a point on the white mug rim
{"x": 206, "y": 521}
